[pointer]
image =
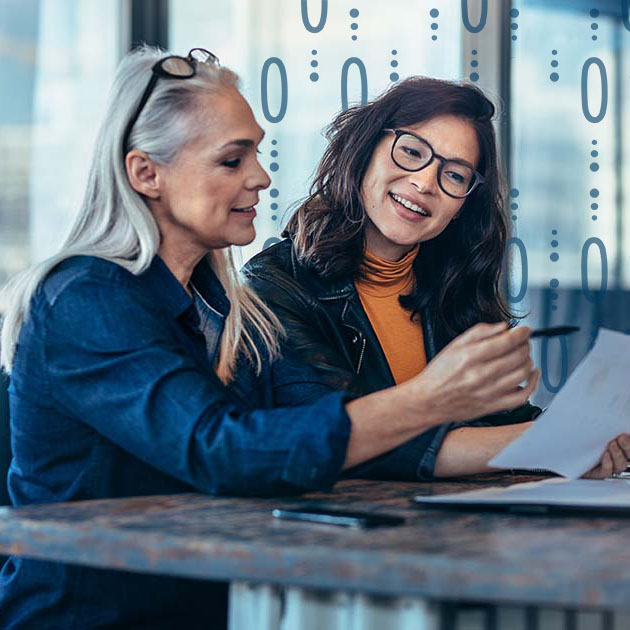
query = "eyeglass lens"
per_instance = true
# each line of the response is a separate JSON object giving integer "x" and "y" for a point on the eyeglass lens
{"x": 183, "y": 68}
{"x": 178, "y": 67}
{"x": 201, "y": 55}
{"x": 413, "y": 154}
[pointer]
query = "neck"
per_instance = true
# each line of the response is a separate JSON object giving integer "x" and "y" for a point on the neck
{"x": 181, "y": 261}
{"x": 381, "y": 247}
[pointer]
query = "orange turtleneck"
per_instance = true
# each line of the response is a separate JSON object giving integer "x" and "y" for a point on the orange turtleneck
{"x": 382, "y": 282}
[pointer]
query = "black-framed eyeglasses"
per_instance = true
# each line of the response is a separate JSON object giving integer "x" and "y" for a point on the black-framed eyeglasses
{"x": 171, "y": 67}
{"x": 413, "y": 153}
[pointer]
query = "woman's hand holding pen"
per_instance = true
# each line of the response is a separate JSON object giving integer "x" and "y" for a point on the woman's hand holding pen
{"x": 479, "y": 373}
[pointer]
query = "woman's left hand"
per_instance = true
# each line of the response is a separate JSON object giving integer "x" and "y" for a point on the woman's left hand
{"x": 613, "y": 460}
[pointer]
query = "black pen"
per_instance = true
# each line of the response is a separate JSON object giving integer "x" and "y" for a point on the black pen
{"x": 554, "y": 331}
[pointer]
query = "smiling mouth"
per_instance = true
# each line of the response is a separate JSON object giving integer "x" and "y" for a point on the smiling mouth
{"x": 249, "y": 209}
{"x": 409, "y": 205}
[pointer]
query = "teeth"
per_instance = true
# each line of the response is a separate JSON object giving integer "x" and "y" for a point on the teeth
{"x": 243, "y": 209}
{"x": 410, "y": 206}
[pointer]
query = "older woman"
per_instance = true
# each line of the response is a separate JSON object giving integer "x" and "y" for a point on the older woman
{"x": 140, "y": 365}
{"x": 395, "y": 253}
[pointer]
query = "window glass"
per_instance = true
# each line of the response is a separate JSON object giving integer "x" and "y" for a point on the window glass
{"x": 57, "y": 60}
{"x": 247, "y": 33}
{"x": 565, "y": 167}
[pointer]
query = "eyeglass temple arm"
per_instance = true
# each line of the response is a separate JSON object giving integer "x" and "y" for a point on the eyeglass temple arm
{"x": 143, "y": 101}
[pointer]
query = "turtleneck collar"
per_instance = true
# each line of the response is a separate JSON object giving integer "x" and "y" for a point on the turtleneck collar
{"x": 380, "y": 277}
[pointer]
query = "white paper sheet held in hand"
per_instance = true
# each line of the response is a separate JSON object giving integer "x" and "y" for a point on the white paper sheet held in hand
{"x": 590, "y": 410}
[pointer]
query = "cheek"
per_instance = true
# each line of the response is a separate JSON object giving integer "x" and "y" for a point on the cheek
{"x": 451, "y": 207}
{"x": 375, "y": 187}
{"x": 446, "y": 217}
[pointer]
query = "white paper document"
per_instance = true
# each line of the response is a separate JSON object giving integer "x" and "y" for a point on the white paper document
{"x": 590, "y": 410}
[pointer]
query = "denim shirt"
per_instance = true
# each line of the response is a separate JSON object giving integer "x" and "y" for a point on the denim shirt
{"x": 113, "y": 394}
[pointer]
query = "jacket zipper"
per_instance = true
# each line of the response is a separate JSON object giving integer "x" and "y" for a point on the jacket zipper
{"x": 361, "y": 355}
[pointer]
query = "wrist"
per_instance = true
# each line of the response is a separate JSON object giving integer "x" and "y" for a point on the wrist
{"x": 417, "y": 402}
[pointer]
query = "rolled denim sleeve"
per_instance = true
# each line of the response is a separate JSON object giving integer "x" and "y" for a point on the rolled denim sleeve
{"x": 295, "y": 382}
{"x": 124, "y": 372}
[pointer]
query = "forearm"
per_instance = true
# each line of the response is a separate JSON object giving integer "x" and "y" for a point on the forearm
{"x": 384, "y": 420}
{"x": 466, "y": 451}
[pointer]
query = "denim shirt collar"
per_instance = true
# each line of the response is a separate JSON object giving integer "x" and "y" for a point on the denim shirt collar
{"x": 172, "y": 295}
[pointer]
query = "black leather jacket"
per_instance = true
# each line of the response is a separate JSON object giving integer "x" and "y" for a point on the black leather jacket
{"x": 326, "y": 324}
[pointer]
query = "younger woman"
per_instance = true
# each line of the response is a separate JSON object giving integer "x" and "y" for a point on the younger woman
{"x": 397, "y": 251}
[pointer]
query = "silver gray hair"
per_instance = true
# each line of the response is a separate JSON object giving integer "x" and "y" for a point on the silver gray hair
{"x": 115, "y": 223}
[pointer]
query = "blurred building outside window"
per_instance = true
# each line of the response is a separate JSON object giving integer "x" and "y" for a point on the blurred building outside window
{"x": 57, "y": 60}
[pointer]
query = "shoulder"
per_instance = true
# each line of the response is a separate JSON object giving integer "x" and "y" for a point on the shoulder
{"x": 277, "y": 258}
{"x": 79, "y": 271}
{"x": 97, "y": 302}
{"x": 272, "y": 275}
{"x": 277, "y": 272}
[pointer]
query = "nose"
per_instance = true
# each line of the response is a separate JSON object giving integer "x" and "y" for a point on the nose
{"x": 259, "y": 179}
{"x": 426, "y": 180}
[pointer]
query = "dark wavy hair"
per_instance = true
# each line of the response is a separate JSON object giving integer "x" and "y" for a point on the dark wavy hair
{"x": 460, "y": 271}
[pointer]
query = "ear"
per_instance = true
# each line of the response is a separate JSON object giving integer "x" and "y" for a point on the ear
{"x": 143, "y": 175}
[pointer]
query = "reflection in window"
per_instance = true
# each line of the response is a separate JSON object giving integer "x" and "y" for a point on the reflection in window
{"x": 56, "y": 61}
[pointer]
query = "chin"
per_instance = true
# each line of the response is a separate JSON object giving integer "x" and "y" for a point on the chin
{"x": 239, "y": 240}
{"x": 402, "y": 239}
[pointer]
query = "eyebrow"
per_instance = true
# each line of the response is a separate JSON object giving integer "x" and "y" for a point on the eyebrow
{"x": 242, "y": 142}
{"x": 460, "y": 161}
{"x": 449, "y": 159}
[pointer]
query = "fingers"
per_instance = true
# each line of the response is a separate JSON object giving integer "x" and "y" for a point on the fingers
{"x": 606, "y": 466}
{"x": 618, "y": 456}
{"x": 602, "y": 470}
{"x": 508, "y": 382}
{"x": 518, "y": 360}
{"x": 518, "y": 396}
{"x": 614, "y": 459}
{"x": 624, "y": 442}
{"x": 502, "y": 344}
{"x": 484, "y": 343}
{"x": 479, "y": 332}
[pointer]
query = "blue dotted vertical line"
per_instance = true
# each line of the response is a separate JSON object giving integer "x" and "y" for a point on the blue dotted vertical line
{"x": 274, "y": 192}
{"x": 554, "y": 76}
{"x": 594, "y": 25}
{"x": 594, "y": 192}
{"x": 354, "y": 13}
{"x": 434, "y": 13}
{"x": 514, "y": 13}
{"x": 514, "y": 205}
{"x": 474, "y": 76}
{"x": 554, "y": 257}
{"x": 554, "y": 283}
{"x": 314, "y": 63}
{"x": 274, "y": 166}
{"x": 394, "y": 76}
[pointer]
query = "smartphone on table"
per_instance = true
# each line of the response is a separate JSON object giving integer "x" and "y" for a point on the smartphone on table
{"x": 344, "y": 518}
